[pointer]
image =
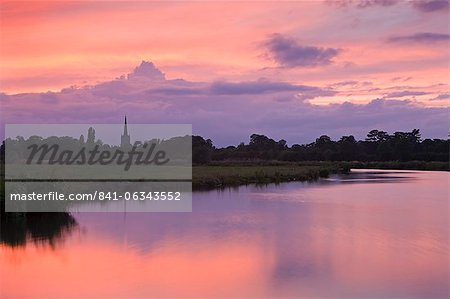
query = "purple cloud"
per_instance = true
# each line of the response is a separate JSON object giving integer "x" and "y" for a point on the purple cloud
{"x": 264, "y": 86}
{"x": 421, "y": 37}
{"x": 367, "y": 3}
{"x": 431, "y": 5}
{"x": 49, "y": 98}
{"x": 351, "y": 83}
{"x": 362, "y": 3}
{"x": 444, "y": 96}
{"x": 404, "y": 79}
{"x": 289, "y": 53}
{"x": 3, "y": 97}
{"x": 147, "y": 70}
{"x": 406, "y": 93}
{"x": 225, "y": 112}
{"x": 421, "y": 5}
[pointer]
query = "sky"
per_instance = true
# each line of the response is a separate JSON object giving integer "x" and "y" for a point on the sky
{"x": 290, "y": 70}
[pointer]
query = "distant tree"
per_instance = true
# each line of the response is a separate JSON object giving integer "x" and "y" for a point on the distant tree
{"x": 323, "y": 141}
{"x": 201, "y": 150}
{"x": 348, "y": 148}
{"x": 282, "y": 144}
{"x": 415, "y": 135}
{"x": 385, "y": 151}
{"x": 377, "y": 136}
{"x": 261, "y": 143}
{"x": 405, "y": 144}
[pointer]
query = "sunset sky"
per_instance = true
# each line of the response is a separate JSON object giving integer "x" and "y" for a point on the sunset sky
{"x": 292, "y": 70}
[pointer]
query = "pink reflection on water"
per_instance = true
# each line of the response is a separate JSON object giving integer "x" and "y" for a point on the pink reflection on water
{"x": 382, "y": 238}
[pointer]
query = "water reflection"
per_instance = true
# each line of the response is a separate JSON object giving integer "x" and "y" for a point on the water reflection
{"x": 298, "y": 240}
{"x": 41, "y": 228}
{"x": 386, "y": 176}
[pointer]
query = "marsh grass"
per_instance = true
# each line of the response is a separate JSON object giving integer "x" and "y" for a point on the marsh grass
{"x": 220, "y": 176}
{"x": 235, "y": 173}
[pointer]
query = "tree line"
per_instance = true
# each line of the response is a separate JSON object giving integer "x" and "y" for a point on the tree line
{"x": 377, "y": 146}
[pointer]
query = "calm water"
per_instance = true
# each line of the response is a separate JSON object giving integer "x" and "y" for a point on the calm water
{"x": 370, "y": 234}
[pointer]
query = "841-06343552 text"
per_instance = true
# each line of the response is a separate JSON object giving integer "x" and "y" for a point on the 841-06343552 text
{"x": 97, "y": 195}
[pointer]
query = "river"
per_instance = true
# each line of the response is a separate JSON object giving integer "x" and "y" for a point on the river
{"x": 370, "y": 234}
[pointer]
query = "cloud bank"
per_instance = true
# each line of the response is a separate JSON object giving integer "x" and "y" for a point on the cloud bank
{"x": 226, "y": 112}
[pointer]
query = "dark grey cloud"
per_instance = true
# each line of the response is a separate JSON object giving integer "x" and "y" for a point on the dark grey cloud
{"x": 287, "y": 52}
{"x": 431, "y": 5}
{"x": 421, "y": 37}
{"x": 406, "y": 93}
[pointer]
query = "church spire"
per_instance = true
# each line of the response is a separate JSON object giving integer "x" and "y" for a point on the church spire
{"x": 125, "y": 128}
{"x": 125, "y": 138}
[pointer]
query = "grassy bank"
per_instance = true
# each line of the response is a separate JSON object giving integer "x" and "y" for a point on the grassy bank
{"x": 225, "y": 175}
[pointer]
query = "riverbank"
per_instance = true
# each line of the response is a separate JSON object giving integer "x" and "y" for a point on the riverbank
{"x": 228, "y": 174}
{"x": 222, "y": 175}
